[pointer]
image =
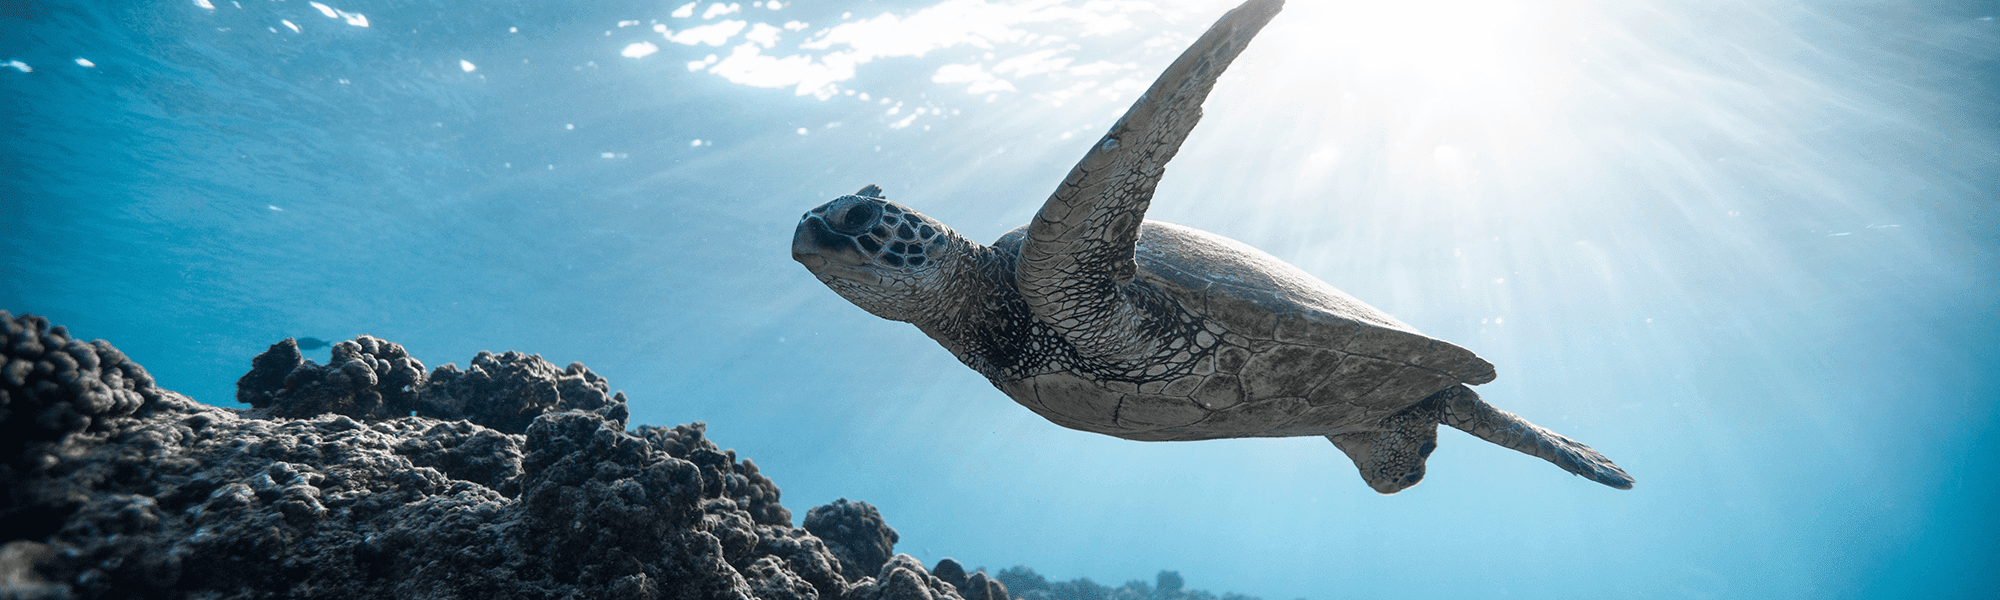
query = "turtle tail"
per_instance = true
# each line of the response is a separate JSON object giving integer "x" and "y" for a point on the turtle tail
{"x": 1464, "y": 410}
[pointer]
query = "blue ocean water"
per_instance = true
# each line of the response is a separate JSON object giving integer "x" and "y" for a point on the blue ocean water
{"x": 1747, "y": 249}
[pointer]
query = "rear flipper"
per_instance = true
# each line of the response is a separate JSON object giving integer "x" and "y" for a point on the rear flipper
{"x": 1463, "y": 409}
{"x": 1392, "y": 459}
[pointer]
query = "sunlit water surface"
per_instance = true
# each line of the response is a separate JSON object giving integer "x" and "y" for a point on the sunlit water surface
{"x": 1747, "y": 249}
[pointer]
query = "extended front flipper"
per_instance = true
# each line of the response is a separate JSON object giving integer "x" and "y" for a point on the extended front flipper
{"x": 1078, "y": 257}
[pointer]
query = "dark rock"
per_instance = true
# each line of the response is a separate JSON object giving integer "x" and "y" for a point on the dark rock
{"x": 370, "y": 378}
{"x": 770, "y": 580}
{"x": 951, "y": 572}
{"x": 462, "y": 450}
{"x": 901, "y": 578}
{"x": 973, "y": 587}
{"x": 52, "y": 388}
{"x": 329, "y": 488}
{"x": 978, "y": 587}
{"x": 805, "y": 555}
{"x": 1028, "y": 585}
{"x": 367, "y": 378}
{"x": 20, "y": 572}
{"x": 508, "y": 391}
{"x": 323, "y": 489}
{"x": 855, "y": 532}
{"x": 739, "y": 481}
{"x": 266, "y": 378}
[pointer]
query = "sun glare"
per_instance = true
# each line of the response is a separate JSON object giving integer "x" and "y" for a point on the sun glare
{"x": 1468, "y": 50}
{"x": 1447, "y": 81}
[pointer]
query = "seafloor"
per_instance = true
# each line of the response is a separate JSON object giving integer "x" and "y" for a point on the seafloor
{"x": 370, "y": 477}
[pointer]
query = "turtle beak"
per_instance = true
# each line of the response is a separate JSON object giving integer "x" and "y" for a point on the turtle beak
{"x": 813, "y": 262}
{"x": 827, "y": 253}
{"x": 814, "y": 244}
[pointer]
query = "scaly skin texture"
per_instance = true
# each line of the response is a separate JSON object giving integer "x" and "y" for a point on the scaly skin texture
{"x": 1102, "y": 321}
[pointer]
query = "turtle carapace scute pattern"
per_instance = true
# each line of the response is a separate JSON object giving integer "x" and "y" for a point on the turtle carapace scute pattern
{"x": 1100, "y": 320}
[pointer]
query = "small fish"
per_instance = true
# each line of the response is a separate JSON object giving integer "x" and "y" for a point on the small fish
{"x": 311, "y": 343}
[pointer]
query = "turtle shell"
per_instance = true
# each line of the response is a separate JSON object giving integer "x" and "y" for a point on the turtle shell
{"x": 1287, "y": 354}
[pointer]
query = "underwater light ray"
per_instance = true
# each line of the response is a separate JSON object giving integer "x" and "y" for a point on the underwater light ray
{"x": 1748, "y": 244}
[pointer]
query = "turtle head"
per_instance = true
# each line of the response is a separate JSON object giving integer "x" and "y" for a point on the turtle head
{"x": 885, "y": 258}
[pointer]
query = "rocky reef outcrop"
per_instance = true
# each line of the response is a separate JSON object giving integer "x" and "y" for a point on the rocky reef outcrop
{"x": 1168, "y": 585}
{"x": 371, "y": 378}
{"x": 368, "y": 477}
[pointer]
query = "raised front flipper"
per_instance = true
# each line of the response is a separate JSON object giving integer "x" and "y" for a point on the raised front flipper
{"x": 1078, "y": 258}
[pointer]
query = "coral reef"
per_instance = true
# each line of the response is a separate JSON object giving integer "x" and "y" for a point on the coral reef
{"x": 52, "y": 386}
{"x": 367, "y": 378}
{"x": 367, "y": 478}
{"x": 370, "y": 378}
{"x": 856, "y": 532}
{"x": 1028, "y": 585}
{"x": 975, "y": 586}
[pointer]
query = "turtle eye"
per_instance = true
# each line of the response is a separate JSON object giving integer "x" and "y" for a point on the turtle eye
{"x": 852, "y": 218}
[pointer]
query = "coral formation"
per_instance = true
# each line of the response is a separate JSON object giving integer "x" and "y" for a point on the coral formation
{"x": 52, "y": 386}
{"x": 367, "y": 478}
{"x": 1168, "y": 585}
{"x": 370, "y": 378}
{"x": 367, "y": 378}
{"x": 856, "y": 532}
{"x": 975, "y": 586}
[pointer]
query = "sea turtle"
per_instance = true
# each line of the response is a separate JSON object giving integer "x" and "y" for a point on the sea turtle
{"x": 1102, "y": 321}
